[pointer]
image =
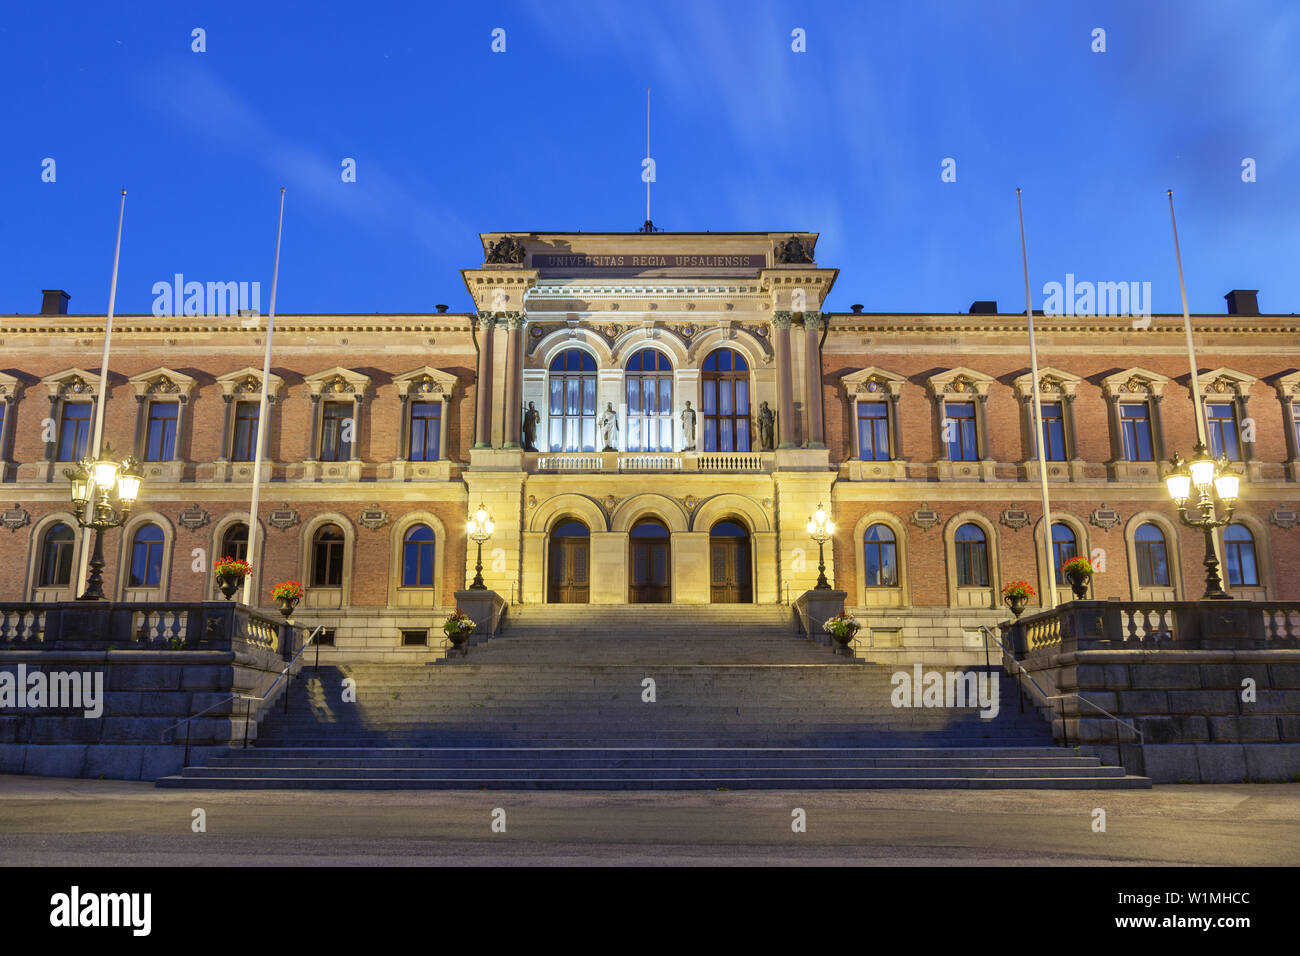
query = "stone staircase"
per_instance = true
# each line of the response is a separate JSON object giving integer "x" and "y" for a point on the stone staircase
{"x": 559, "y": 701}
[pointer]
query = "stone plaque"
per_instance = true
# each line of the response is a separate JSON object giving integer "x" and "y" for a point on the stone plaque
{"x": 1282, "y": 517}
{"x": 193, "y": 518}
{"x": 15, "y": 517}
{"x": 373, "y": 518}
{"x": 1015, "y": 518}
{"x": 1105, "y": 518}
{"x": 282, "y": 517}
{"x": 925, "y": 517}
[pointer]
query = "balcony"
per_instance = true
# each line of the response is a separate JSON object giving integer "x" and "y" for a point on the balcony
{"x": 612, "y": 462}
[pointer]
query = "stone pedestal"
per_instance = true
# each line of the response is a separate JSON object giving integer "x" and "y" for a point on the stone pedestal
{"x": 815, "y": 608}
{"x": 485, "y": 609}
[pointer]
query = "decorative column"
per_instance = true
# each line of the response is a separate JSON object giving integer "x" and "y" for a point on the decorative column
{"x": 141, "y": 424}
{"x": 812, "y": 324}
{"x": 52, "y": 446}
{"x": 483, "y": 383}
{"x": 354, "y": 446}
{"x": 182, "y": 402}
{"x": 514, "y": 378}
{"x": 784, "y": 393}
{"x": 227, "y": 432}
{"x": 313, "y": 437}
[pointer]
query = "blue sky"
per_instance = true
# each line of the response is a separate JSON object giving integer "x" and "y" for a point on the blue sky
{"x": 847, "y": 139}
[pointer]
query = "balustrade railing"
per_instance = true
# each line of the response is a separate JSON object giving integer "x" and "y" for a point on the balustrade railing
{"x": 1184, "y": 625}
{"x": 663, "y": 462}
{"x": 735, "y": 461}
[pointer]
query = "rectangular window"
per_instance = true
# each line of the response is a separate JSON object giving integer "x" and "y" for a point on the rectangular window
{"x": 873, "y": 431}
{"x": 426, "y": 431}
{"x": 1135, "y": 431}
{"x": 244, "y": 445}
{"x": 336, "y": 432}
{"x": 1053, "y": 432}
{"x": 415, "y": 636}
{"x": 959, "y": 431}
{"x": 1221, "y": 420}
{"x": 74, "y": 431}
{"x": 160, "y": 435}
{"x": 972, "y": 564}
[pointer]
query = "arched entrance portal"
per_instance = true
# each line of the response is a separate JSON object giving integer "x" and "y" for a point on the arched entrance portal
{"x": 569, "y": 564}
{"x": 649, "y": 563}
{"x": 731, "y": 578}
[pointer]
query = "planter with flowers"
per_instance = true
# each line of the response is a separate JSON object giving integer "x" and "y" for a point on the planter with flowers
{"x": 230, "y": 574}
{"x": 842, "y": 627}
{"x": 1016, "y": 596}
{"x": 287, "y": 594}
{"x": 458, "y": 627}
{"x": 1078, "y": 571}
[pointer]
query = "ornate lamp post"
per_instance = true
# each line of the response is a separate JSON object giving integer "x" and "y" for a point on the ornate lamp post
{"x": 95, "y": 483}
{"x": 479, "y": 529}
{"x": 1205, "y": 477}
{"x": 821, "y": 528}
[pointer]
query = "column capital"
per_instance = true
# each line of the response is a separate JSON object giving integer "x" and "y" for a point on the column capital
{"x": 515, "y": 320}
{"x": 815, "y": 319}
{"x": 781, "y": 319}
{"x": 487, "y": 320}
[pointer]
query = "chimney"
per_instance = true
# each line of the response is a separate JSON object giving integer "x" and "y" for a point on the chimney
{"x": 1242, "y": 302}
{"x": 442, "y": 309}
{"x": 984, "y": 307}
{"x": 54, "y": 302}
{"x": 857, "y": 308}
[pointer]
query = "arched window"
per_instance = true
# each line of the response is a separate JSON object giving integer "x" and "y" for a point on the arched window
{"x": 234, "y": 543}
{"x": 725, "y": 401}
{"x": 1239, "y": 549}
{"x": 972, "y": 553}
{"x": 1152, "y": 557}
{"x": 880, "y": 557}
{"x": 55, "y": 569}
{"x": 417, "y": 557}
{"x": 1064, "y": 547}
{"x": 327, "y": 557}
{"x": 146, "y": 558}
{"x": 649, "y": 402}
{"x": 573, "y": 402}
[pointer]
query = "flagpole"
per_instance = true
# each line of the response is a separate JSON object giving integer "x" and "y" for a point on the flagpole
{"x": 262, "y": 437}
{"x": 647, "y": 151}
{"x": 1187, "y": 329}
{"x": 1038, "y": 413}
{"x": 103, "y": 376}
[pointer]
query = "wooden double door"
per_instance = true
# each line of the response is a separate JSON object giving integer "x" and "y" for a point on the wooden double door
{"x": 731, "y": 578}
{"x": 569, "y": 571}
{"x": 648, "y": 582}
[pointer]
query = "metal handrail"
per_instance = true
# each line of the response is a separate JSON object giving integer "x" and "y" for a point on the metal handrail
{"x": 248, "y": 698}
{"x": 1021, "y": 672}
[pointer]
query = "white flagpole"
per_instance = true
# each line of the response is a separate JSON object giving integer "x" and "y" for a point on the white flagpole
{"x": 1187, "y": 328}
{"x": 647, "y": 151}
{"x": 102, "y": 392}
{"x": 262, "y": 437}
{"x": 1038, "y": 415}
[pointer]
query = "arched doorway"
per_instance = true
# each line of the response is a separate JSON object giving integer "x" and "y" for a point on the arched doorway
{"x": 649, "y": 563}
{"x": 731, "y": 578}
{"x": 569, "y": 563}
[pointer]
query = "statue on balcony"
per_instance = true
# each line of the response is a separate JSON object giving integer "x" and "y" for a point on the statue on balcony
{"x": 766, "y": 428}
{"x": 688, "y": 428}
{"x": 531, "y": 419}
{"x": 609, "y": 427}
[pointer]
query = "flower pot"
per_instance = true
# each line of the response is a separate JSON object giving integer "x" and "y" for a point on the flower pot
{"x": 845, "y": 638}
{"x": 287, "y": 604}
{"x": 1017, "y": 603}
{"x": 229, "y": 583}
{"x": 1078, "y": 583}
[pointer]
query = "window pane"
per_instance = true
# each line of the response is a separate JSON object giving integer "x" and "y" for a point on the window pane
{"x": 634, "y": 395}
{"x": 742, "y": 396}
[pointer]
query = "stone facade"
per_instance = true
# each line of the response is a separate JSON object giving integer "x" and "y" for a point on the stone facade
{"x": 612, "y": 298}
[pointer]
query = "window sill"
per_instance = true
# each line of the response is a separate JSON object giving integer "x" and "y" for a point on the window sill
{"x": 888, "y": 470}
{"x": 1068, "y": 470}
{"x": 347, "y": 470}
{"x": 404, "y": 470}
{"x": 967, "y": 470}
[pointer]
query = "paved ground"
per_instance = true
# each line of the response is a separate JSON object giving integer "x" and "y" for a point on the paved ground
{"x": 47, "y": 821}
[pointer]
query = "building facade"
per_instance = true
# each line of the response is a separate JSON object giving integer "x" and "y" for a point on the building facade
{"x": 650, "y": 418}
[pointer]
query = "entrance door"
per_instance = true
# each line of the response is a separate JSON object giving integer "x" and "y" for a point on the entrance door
{"x": 568, "y": 565}
{"x": 730, "y": 571}
{"x": 649, "y": 580}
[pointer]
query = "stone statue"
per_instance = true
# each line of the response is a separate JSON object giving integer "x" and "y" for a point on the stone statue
{"x": 609, "y": 428}
{"x": 766, "y": 428}
{"x": 688, "y": 428}
{"x": 794, "y": 250}
{"x": 531, "y": 419}
{"x": 507, "y": 249}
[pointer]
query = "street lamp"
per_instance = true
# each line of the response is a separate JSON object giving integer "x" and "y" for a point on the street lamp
{"x": 479, "y": 529}
{"x": 821, "y": 528}
{"x": 1205, "y": 477}
{"x": 95, "y": 483}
